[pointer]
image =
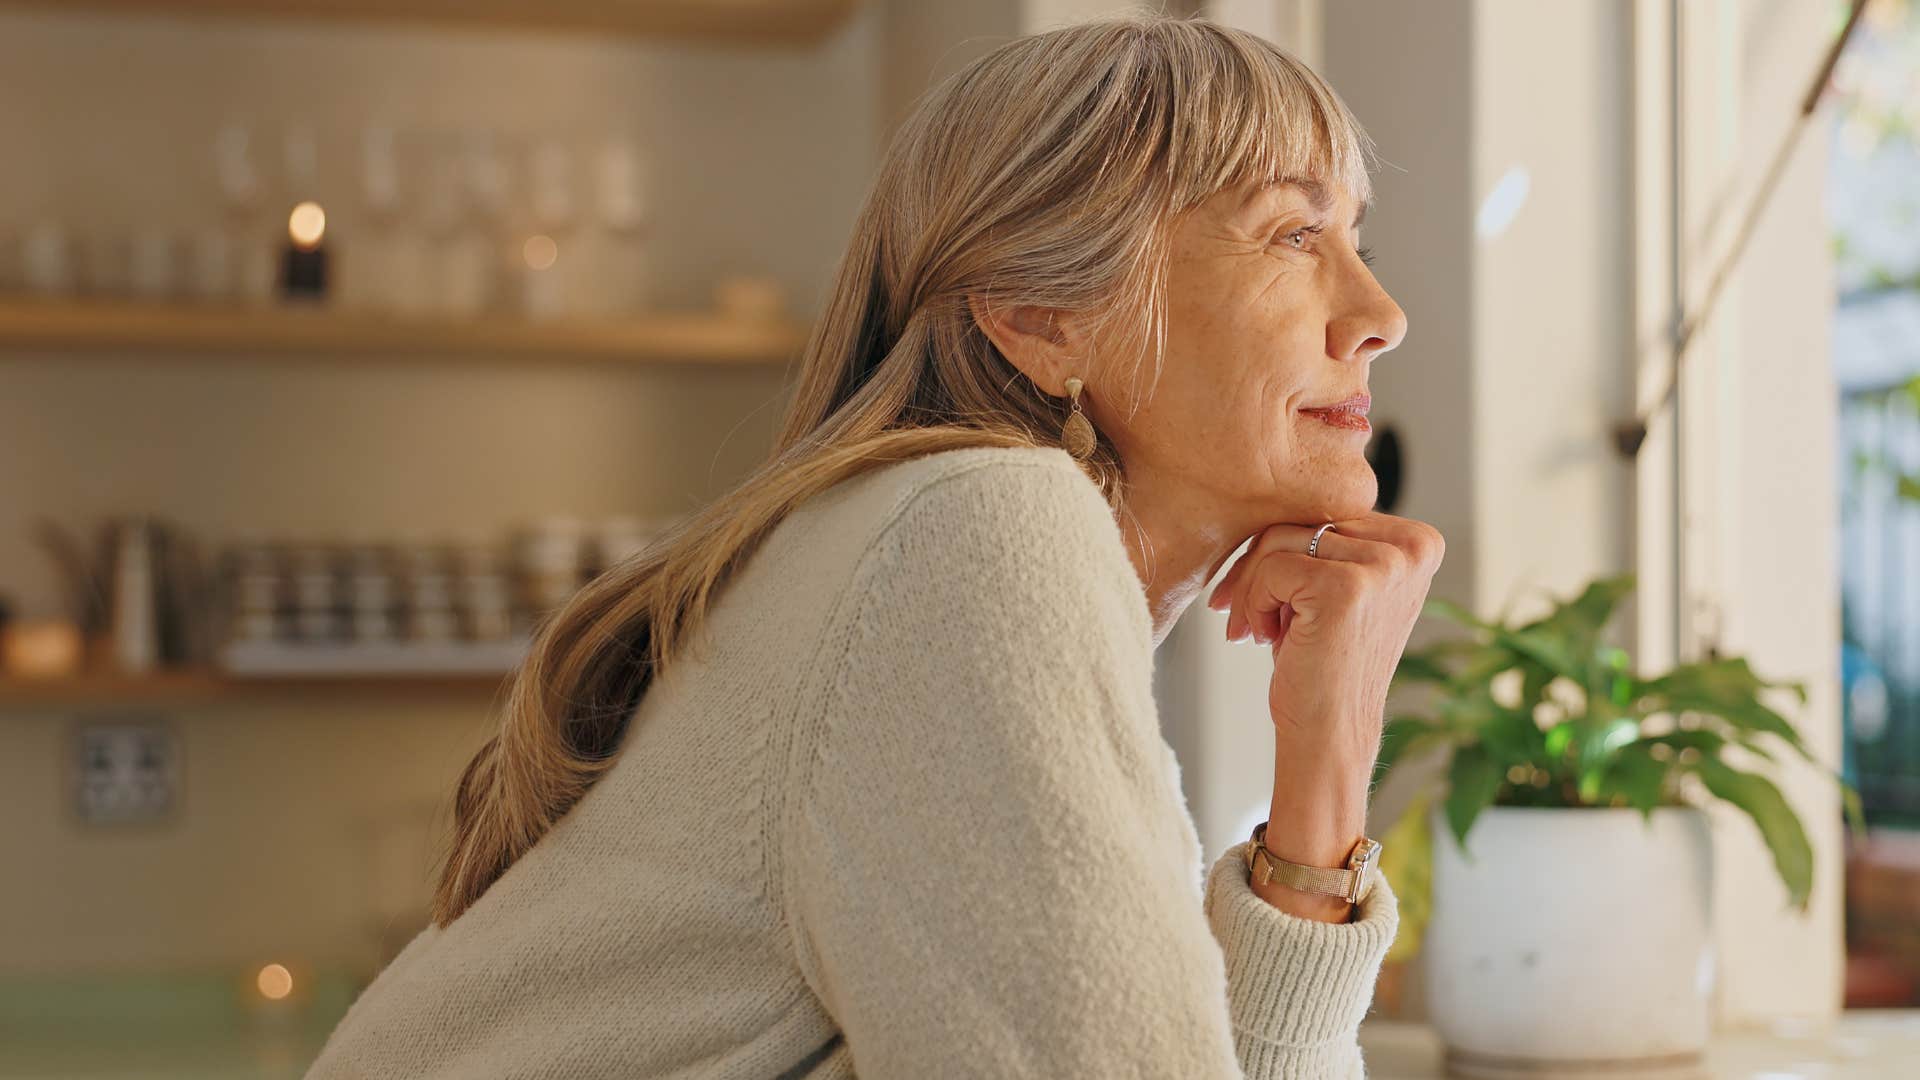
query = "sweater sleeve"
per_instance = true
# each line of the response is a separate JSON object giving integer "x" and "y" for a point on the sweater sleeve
{"x": 989, "y": 867}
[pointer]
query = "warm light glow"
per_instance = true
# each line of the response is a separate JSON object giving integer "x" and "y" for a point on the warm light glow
{"x": 540, "y": 252}
{"x": 274, "y": 980}
{"x": 306, "y": 225}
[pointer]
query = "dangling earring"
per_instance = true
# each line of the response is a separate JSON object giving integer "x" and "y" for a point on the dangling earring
{"x": 1076, "y": 435}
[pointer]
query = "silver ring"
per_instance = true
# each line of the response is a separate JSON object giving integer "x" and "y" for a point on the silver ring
{"x": 1313, "y": 546}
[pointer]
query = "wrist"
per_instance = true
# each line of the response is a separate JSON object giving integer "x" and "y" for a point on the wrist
{"x": 1330, "y": 744}
{"x": 1316, "y": 825}
{"x": 1295, "y": 889}
{"x": 1319, "y": 805}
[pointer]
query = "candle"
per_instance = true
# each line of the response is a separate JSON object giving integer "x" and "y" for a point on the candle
{"x": 304, "y": 268}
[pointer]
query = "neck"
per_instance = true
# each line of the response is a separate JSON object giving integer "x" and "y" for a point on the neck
{"x": 1176, "y": 544}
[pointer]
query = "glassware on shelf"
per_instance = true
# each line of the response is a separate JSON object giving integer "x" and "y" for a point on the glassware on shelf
{"x": 372, "y": 600}
{"x": 485, "y": 595}
{"x": 152, "y": 263}
{"x": 10, "y": 243}
{"x": 551, "y": 557}
{"x": 47, "y": 258}
{"x": 249, "y": 238}
{"x": 380, "y": 172}
{"x": 382, "y": 269}
{"x": 258, "y": 593}
{"x": 450, "y": 223}
{"x": 317, "y": 607}
{"x": 450, "y": 281}
{"x": 106, "y": 256}
{"x": 211, "y": 275}
{"x": 617, "y": 251}
{"x": 472, "y": 242}
{"x": 367, "y": 607}
{"x": 429, "y": 593}
{"x": 300, "y": 150}
{"x": 547, "y": 268}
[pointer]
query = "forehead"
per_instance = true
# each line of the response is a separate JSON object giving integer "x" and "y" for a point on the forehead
{"x": 1322, "y": 197}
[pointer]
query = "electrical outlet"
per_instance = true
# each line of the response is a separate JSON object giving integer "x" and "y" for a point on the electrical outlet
{"x": 126, "y": 771}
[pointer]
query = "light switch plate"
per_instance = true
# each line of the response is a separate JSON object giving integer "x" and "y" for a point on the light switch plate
{"x": 126, "y": 771}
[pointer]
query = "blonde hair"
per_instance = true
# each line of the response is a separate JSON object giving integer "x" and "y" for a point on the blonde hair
{"x": 1047, "y": 172}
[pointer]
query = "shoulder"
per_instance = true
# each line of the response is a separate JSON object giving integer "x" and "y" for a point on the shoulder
{"x": 1016, "y": 537}
{"x": 1007, "y": 487}
{"x": 1010, "y": 537}
{"x": 991, "y": 498}
{"x": 1002, "y": 474}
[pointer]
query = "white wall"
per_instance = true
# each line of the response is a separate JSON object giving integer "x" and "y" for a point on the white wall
{"x": 1550, "y": 331}
{"x": 1548, "y": 326}
{"x": 1760, "y": 427}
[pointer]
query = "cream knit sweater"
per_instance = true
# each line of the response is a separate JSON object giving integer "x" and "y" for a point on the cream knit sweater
{"x": 907, "y": 812}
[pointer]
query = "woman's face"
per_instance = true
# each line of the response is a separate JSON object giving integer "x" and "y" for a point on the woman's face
{"x": 1270, "y": 310}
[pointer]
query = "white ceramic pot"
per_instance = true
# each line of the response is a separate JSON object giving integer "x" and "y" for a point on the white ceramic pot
{"x": 1572, "y": 943}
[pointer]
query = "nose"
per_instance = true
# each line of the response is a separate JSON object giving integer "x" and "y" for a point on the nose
{"x": 1369, "y": 324}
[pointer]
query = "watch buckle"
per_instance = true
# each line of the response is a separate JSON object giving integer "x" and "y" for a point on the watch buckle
{"x": 1361, "y": 862}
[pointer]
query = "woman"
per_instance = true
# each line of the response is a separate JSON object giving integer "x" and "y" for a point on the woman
{"x": 860, "y": 769}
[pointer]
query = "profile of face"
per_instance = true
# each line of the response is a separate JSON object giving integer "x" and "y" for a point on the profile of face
{"x": 1271, "y": 310}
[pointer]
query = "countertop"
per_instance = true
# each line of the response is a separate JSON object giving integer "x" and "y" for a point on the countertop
{"x": 211, "y": 1028}
{"x": 1863, "y": 1045}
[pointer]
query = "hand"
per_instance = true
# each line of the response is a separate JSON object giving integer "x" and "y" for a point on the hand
{"x": 1338, "y": 621}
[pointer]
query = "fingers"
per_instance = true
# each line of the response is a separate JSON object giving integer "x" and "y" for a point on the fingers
{"x": 1418, "y": 542}
{"x": 1267, "y": 624}
{"x": 1377, "y": 539}
{"x": 1391, "y": 545}
{"x": 1232, "y": 590}
{"x": 1308, "y": 587}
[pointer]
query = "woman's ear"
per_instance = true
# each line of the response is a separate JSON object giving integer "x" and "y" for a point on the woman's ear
{"x": 1042, "y": 342}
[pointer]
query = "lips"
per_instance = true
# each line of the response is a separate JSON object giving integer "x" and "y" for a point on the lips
{"x": 1350, "y": 414}
{"x": 1358, "y": 403}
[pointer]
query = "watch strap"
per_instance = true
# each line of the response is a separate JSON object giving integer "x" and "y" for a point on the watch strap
{"x": 1348, "y": 882}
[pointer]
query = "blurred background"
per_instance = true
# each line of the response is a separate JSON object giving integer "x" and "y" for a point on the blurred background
{"x": 339, "y": 340}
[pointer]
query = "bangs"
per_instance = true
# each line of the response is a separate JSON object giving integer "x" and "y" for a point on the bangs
{"x": 1257, "y": 115}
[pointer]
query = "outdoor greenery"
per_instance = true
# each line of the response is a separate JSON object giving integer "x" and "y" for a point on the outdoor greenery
{"x": 1906, "y": 484}
{"x": 1877, "y": 124}
{"x": 1547, "y": 714}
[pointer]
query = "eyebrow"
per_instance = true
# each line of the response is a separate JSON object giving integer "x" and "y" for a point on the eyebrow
{"x": 1319, "y": 197}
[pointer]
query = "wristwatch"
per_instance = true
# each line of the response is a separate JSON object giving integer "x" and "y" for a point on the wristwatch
{"x": 1351, "y": 882}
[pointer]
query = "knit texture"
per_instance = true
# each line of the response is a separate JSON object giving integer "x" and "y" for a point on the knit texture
{"x": 904, "y": 811}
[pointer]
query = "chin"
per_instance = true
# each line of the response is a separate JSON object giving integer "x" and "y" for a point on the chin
{"x": 1348, "y": 498}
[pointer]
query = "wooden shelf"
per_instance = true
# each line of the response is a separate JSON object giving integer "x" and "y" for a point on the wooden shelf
{"x": 208, "y": 685}
{"x": 667, "y": 338}
{"x": 748, "y": 21}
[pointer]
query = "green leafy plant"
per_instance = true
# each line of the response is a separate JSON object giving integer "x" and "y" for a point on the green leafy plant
{"x": 1868, "y": 464}
{"x": 1547, "y": 714}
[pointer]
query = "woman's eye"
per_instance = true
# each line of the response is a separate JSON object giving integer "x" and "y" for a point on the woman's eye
{"x": 1301, "y": 239}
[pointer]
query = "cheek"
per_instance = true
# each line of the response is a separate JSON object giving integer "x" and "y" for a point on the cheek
{"x": 1241, "y": 353}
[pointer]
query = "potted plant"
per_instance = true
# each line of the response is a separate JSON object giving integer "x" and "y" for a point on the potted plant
{"x": 1560, "y": 870}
